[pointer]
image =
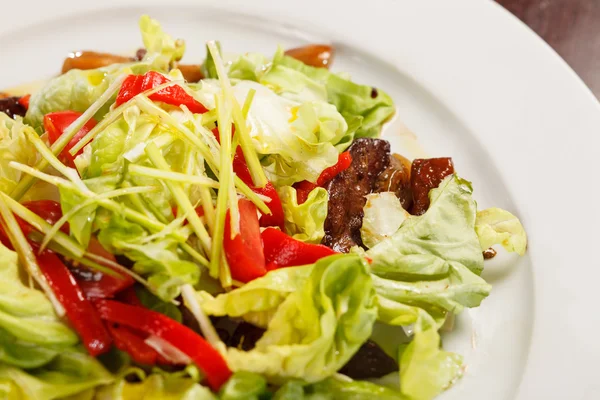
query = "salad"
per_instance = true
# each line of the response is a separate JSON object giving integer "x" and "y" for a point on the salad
{"x": 234, "y": 230}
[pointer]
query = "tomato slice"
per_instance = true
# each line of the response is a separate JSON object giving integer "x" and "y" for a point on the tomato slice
{"x": 244, "y": 252}
{"x": 55, "y": 124}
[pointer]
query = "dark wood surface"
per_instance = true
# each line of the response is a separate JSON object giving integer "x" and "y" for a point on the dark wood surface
{"x": 571, "y": 27}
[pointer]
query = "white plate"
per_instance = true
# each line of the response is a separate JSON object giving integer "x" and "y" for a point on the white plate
{"x": 473, "y": 83}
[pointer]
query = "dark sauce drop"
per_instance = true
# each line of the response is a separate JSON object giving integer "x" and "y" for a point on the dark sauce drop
{"x": 489, "y": 254}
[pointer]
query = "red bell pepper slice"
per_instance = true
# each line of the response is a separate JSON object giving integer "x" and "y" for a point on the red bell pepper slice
{"x": 130, "y": 342}
{"x": 173, "y": 95}
{"x": 55, "y": 124}
{"x": 80, "y": 311}
{"x": 244, "y": 252}
{"x": 276, "y": 218}
{"x": 49, "y": 210}
{"x": 186, "y": 340}
{"x": 24, "y": 101}
{"x": 344, "y": 161}
{"x": 304, "y": 188}
{"x": 282, "y": 250}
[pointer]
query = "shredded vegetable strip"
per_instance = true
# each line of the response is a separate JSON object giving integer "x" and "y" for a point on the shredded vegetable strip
{"x": 224, "y": 118}
{"x": 128, "y": 213}
{"x": 92, "y": 200}
{"x": 208, "y": 330}
{"x": 113, "y": 116}
{"x": 183, "y": 201}
{"x": 194, "y": 254}
{"x": 172, "y": 176}
{"x": 256, "y": 170}
{"x": 27, "y": 182}
{"x": 149, "y": 107}
{"x": 47, "y": 154}
{"x": 248, "y": 102}
{"x": 41, "y": 225}
{"x": 193, "y": 165}
{"x": 25, "y": 252}
{"x": 137, "y": 202}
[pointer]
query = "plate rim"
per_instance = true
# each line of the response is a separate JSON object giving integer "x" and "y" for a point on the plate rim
{"x": 505, "y": 48}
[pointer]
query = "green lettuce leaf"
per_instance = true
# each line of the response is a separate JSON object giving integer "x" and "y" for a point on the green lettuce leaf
{"x": 159, "y": 259}
{"x": 297, "y": 140}
{"x": 31, "y": 334}
{"x": 244, "y": 386}
{"x": 162, "y": 49}
{"x": 433, "y": 260}
{"x": 425, "y": 369}
{"x": 497, "y": 226}
{"x": 317, "y": 328}
{"x": 258, "y": 300}
{"x": 355, "y": 390}
{"x": 305, "y": 221}
{"x": 69, "y": 373}
{"x": 293, "y": 79}
{"x": 180, "y": 385}
{"x": 446, "y": 232}
{"x": 383, "y": 215}
{"x": 14, "y": 146}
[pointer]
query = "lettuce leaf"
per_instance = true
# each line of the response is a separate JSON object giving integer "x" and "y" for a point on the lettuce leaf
{"x": 258, "y": 300}
{"x": 244, "y": 386}
{"x": 383, "y": 215}
{"x": 497, "y": 226}
{"x": 425, "y": 369}
{"x": 158, "y": 259}
{"x": 14, "y": 146}
{"x": 162, "y": 49}
{"x": 433, "y": 260}
{"x": 293, "y": 79}
{"x": 317, "y": 328}
{"x": 69, "y": 373}
{"x": 442, "y": 237}
{"x": 159, "y": 385}
{"x": 305, "y": 221}
{"x": 31, "y": 334}
{"x": 297, "y": 140}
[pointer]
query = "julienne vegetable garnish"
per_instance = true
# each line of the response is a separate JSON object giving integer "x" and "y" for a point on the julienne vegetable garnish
{"x": 242, "y": 235}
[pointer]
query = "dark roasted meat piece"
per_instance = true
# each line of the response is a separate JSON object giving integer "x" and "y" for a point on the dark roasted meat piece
{"x": 396, "y": 178}
{"x": 427, "y": 174}
{"x": 11, "y": 106}
{"x": 370, "y": 361}
{"x": 347, "y": 193}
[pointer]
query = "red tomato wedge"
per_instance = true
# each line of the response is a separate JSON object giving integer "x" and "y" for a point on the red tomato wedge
{"x": 55, "y": 124}
{"x": 244, "y": 252}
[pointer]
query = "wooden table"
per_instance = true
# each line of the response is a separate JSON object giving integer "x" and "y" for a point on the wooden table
{"x": 571, "y": 27}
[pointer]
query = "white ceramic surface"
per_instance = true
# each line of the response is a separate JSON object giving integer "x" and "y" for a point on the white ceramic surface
{"x": 471, "y": 82}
